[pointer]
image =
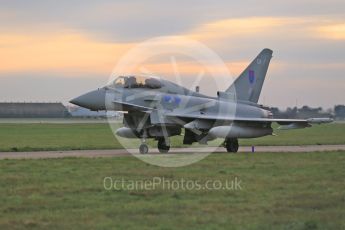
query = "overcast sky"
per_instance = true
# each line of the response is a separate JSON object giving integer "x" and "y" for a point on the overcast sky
{"x": 56, "y": 50}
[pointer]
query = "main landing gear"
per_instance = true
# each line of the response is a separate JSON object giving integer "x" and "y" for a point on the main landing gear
{"x": 231, "y": 145}
{"x": 163, "y": 147}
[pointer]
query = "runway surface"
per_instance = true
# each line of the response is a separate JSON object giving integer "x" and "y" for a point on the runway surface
{"x": 123, "y": 152}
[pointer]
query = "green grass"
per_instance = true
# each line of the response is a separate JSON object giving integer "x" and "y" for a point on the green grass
{"x": 26, "y": 137}
{"x": 333, "y": 133}
{"x": 32, "y": 137}
{"x": 279, "y": 191}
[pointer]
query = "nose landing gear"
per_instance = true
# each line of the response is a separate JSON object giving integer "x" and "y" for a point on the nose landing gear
{"x": 143, "y": 149}
{"x": 163, "y": 147}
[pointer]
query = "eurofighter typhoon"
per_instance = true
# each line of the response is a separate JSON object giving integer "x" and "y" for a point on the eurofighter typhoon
{"x": 159, "y": 109}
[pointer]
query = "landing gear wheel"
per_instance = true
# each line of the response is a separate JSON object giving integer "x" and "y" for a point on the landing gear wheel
{"x": 143, "y": 149}
{"x": 162, "y": 146}
{"x": 231, "y": 145}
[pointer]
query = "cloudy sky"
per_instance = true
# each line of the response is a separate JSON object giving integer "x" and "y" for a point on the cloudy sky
{"x": 56, "y": 50}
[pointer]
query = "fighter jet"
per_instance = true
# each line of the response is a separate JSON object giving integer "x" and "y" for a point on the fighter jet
{"x": 159, "y": 109}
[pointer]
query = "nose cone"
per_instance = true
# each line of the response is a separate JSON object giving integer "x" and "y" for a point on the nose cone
{"x": 94, "y": 100}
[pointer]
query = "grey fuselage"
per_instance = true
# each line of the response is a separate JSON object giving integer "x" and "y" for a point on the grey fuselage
{"x": 146, "y": 109}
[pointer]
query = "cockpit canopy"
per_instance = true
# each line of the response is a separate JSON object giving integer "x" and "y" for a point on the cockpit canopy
{"x": 131, "y": 82}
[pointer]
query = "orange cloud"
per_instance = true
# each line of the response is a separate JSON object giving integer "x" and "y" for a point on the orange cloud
{"x": 62, "y": 52}
{"x": 240, "y": 27}
{"x": 182, "y": 67}
{"x": 333, "y": 31}
{"x": 70, "y": 52}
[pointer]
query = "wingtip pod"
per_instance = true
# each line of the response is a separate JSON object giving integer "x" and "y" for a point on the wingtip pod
{"x": 307, "y": 123}
{"x": 296, "y": 125}
{"x": 319, "y": 120}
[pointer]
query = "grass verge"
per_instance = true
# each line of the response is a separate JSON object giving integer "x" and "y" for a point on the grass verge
{"x": 278, "y": 191}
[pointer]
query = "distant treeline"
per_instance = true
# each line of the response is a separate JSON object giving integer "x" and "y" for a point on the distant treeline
{"x": 338, "y": 112}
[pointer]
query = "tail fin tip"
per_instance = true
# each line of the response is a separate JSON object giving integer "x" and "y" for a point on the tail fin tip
{"x": 249, "y": 84}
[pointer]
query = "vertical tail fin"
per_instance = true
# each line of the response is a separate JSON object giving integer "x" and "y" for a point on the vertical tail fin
{"x": 249, "y": 84}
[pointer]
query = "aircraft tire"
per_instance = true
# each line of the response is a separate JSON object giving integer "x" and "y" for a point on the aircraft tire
{"x": 143, "y": 149}
{"x": 232, "y": 145}
{"x": 162, "y": 147}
